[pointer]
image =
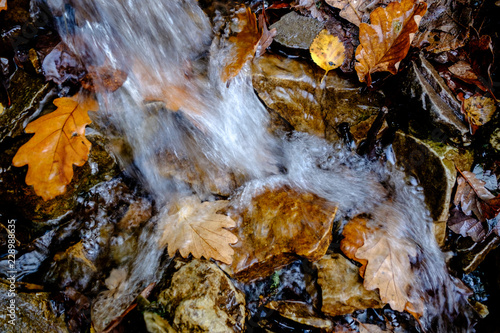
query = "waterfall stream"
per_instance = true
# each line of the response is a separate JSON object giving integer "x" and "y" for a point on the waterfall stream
{"x": 168, "y": 49}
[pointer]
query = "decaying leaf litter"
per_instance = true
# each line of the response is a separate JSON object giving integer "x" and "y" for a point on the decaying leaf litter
{"x": 386, "y": 32}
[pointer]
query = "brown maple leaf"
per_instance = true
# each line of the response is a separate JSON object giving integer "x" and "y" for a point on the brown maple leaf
{"x": 386, "y": 40}
{"x": 58, "y": 144}
{"x": 191, "y": 226}
{"x": 473, "y": 197}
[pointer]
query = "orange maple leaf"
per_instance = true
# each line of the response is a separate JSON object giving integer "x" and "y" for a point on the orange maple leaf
{"x": 386, "y": 41}
{"x": 58, "y": 143}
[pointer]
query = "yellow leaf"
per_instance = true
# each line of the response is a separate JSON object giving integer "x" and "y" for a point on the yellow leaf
{"x": 3, "y": 5}
{"x": 58, "y": 143}
{"x": 386, "y": 41}
{"x": 327, "y": 51}
{"x": 196, "y": 228}
{"x": 479, "y": 109}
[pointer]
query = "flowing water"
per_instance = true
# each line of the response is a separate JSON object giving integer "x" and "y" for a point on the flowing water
{"x": 173, "y": 60}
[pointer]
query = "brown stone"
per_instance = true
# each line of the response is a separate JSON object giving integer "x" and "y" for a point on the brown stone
{"x": 201, "y": 298}
{"x": 292, "y": 88}
{"x": 34, "y": 312}
{"x": 277, "y": 227}
{"x": 300, "y": 312}
{"x": 433, "y": 163}
{"x": 342, "y": 288}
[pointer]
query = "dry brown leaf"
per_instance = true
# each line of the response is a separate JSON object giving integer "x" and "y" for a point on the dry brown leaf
{"x": 388, "y": 269}
{"x": 191, "y": 226}
{"x": 267, "y": 36}
{"x": 312, "y": 7}
{"x": 386, "y": 41}
{"x": 478, "y": 111}
{"x": 385, "y": 264}
{"x": 3, "y": 5}
{"x": 473, "y": 197}
{"x": 354, "y": 11}
{"x": 58, "y": 144}
{"x": 244, "y": 44}
{"x": 466, "y": 226}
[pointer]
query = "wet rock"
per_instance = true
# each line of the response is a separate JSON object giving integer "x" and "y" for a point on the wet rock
{"x": 433, "y": 163}
{"x": 276, "y": 226}
{"x": 35, "y": 312}
{"x": 201, "y": 298}
{"x": 296, "y": 31}
{"x": 72, "y": 268}
{"x": 300, "y": 312}
{"x": 27, "y": 94}
{"x": 342, "y": 288}
{"x": 109, "y": 221}
{"x": 424, "y": 85}
{"x": 292, "y": 89}
{"x": 469, "y": 256}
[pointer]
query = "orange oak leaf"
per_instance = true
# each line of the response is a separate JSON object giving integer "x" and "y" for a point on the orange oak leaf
{"x": 386, "y": 40}
{"x": 191, "y": 226}
{"x": 58, "y": 144}
{"x": 385, "y": 263}
{"x": 243, "y": 45}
